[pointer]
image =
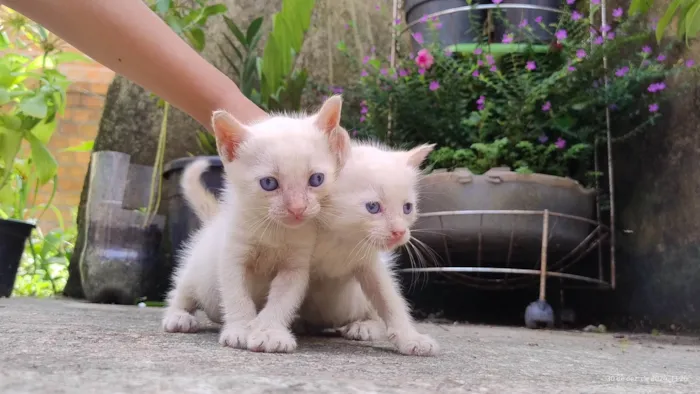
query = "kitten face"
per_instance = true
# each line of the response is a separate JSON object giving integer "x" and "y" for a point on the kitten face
{"x": 283, "y": 167}
{"x": 376, "y": 194}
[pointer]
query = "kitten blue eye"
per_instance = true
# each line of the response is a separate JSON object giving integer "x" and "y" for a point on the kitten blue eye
{"x": 316, "y": 179}
{"x": 373, "y": 207}
{"x": 407, "y": 208}
{"x": 269, "y": 184}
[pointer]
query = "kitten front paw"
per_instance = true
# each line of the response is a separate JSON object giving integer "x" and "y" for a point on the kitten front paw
{"x": 271, "y": 340}
{"x": 233, "y": 335}
{"x": 365, "y": 330}
{"x": 180, "y": 321}
{"x": 414, "y": 344}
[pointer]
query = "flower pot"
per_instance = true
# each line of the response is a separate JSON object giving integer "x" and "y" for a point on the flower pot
{"x": 181, "y": 221}
{"x": 511, "y": 17}
{"x": 457, "y": 27}
{"x": 498, "y": 238}
{"x": 13, "y": 236}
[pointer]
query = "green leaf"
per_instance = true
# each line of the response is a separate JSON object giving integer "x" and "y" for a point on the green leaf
{"x": 197, "y": 39}
{"x": 44, "y": 130}
{"x": 692, "y": 21}
{"x": 162, "y": 6}
{"x": 174, "y": 23}
{"x": 341, "y": 46}
{"x": 214, "y": 10}
{"x": 666, "y": 19}
{"x": 376, "y": 63}
{"x": 4, "y": 96}
{"x": 236, "y": 31}
{"x": 70, "y": 57}
{"x": 85, "y": 146}
{"x": 11, "y": 122}
{"x": 253, "y": 29}
{"x": 640, "y": 6}
{"x": 35, "y": 107}
{"x": 46, "y": 165}
{"x": 10, "y": 142}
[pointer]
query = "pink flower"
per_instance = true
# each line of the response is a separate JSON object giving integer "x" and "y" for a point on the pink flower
{"x": 598, "y": 40}
{"x": 403, "y": 73}
{"x": 570, "y": 2}
{"x": 421, "y": 71}
{"x": 364, "y": 110}
{"x": 397, "y": 21}
{"x": 377, "y": 7}
{"x": 531, "y": 65}
{"x": 497, "y": 1}
{"x": 362, "y": 119}
{"x": 423, "y": 19}
{"x": 384, "y": 71}
{"x": 656, "y": 87}
{"x": 478, "y": 51}
{"x": 622, "y": 71}
{"x": 595, "y": 1}
{"x": 576, "y": 15}
{"x": 547, "y": 106}
{"x": 653, "y": 107}
{"x": 561, "y": 35}
{"x": 605, "y": 28}
{"x": 493, "y": 69}
{"x": 561, "y": 143}
{"x": 434, "y": 85}
{"x": 660, "y": 58}
{"x": 507, "y": 38}
{"x": 646, "y": 49}
{"x": 475, "y": 74}
{"x": 689, "y": 63}
{"x": 610, "y": 36}
{"x": 424, "y": 59}
{"x": 538, "y": 19}
{"x": 580, "y": 54}
{"x": 479, "y": 63}
{"x": 522, "y": 23}
{"x": 571, "y": 68}
{"x": 365, "y": 60}
{"x": 364, "y": 73}
{"x": 617, "y": 13}
{"x": 418, "y": 36}
{"x": 481, "y": 103}
{"x": 490, "y": 60}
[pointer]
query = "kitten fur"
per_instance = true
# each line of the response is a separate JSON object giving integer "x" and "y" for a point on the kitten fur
{"x": 352, "y": 284}
{"x": 254, "y": 253}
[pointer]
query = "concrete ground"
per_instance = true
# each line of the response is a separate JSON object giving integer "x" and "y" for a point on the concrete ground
{"x": 61, "y": 346}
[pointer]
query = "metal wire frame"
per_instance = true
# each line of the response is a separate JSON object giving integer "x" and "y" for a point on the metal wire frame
{"x": 605, "y": 231}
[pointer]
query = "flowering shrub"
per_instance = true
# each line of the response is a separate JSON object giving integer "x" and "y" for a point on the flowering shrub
{"x": 531, "y": 110}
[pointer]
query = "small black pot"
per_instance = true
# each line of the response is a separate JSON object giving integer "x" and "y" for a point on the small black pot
{"x": 13, "y": 236}
{"x": 457, "y": 28}
{"x": 514, "y": 16}
{"x": 181, "y": 221}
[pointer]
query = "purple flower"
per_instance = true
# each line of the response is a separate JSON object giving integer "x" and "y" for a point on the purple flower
{"x": 507, "y": 38}
{"x": 610, "y": 36}
{"x": 580, "y": 54}
{"x": 479, "y": 63}
{"x": 546, "y": 107}
{"x": 561, "y": 143}
{"x": 478, "y": 51}
{"x": 543, "y": 138}
{"x": 475, "y": 74}
{"x": 372, "y": 50}
{"x": 656, "y": 87}
{"x": 423, "y": 19}
{"x": 354, "y": 132}
{"x": 654, "y": 21}
{"x": 403, "y": 73}
{"x": 646, "y": 49}
{"x": 646, "y": 63}
{"x": 570, "y": 2}
{"x": 421, "y": 71}
{"x": 347, "y": 26}
{"x": 362, "y": 119}
{"x": 365, "y": 60}
{"x": 493, "y": 69}
{"x": 337, "y": 90}
{"x": 576, "y": 15}
{"x": 689, "y": 63}
{"x": 497, "y": 1}
{"x": 561, "y": 35}
{"x": 653, "y": 107}
{"x": 622, "y": 71}
{"x": 598, "y": 40}
{"x": 437, "y": 25}
{"x": 364, "y": 73}
{"x": 571, "y": 68}
{"x": 410, "y": 55}
{"x": 605, "y": 28}
{"x": 538, "y": 19}
{"x": 595, "y": 1}
{"x": 384, "y": 71}
{"x": 481, "y": 103}
{"x": 490, "y": 60}
{"x": 522, "y": 23}
{"x": 660, "y": 58}
{"x": 397, "y": 21}
{"x": 434, "y": 85}
{"x": 617, "y": 12}
{"x": 377, "y": 7}
{"x": 530, "y": 65}
{"x": 364, "y": 110}
{"x": 418, "y": 36}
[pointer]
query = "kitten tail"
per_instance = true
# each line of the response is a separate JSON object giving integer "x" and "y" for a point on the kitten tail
{"x": 202, "y": 202}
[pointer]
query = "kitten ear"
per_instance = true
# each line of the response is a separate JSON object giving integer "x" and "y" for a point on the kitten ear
{"x": 229, "y": 134}
{"x": 415, "y": 156}
{"x": 328, "y": 120}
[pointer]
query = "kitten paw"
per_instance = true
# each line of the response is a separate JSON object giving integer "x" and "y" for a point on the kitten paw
{"x": 414, "y": 344}
{"x": 180, "y": 321}
{"x": 271, "y": 340}
{"x": 365, "y": 330}
{"x": 233, "y": 335}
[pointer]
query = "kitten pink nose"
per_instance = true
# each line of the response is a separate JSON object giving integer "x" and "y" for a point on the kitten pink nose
{"x": 397, "y": 235}
{"x": 296, "y": 211}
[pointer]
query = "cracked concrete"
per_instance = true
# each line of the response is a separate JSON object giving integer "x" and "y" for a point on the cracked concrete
{"x": 63, "y": 346}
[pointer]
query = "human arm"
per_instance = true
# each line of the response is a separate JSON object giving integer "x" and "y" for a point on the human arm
{"x": 127, "y": 37}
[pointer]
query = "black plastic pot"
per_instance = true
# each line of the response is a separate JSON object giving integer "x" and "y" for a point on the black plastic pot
{"x": 510, "y": 18}
{"x": 181, "y": 221}
{"x": 13, "y": 236}
{"x": 457, "y": 28}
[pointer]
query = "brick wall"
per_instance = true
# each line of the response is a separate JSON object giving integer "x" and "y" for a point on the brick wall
{"x": 85, "y": 101}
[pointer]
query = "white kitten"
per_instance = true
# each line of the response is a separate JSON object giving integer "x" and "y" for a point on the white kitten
{"x": 367, "y": 215}
{"x": 260, "y": 239}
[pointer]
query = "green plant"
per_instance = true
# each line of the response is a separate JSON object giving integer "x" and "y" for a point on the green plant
{"x": 685, "y": 12}
{"x": 32, "y": 95}
{"x": 531, "y": 111}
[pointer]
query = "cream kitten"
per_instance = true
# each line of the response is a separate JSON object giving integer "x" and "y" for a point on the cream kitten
{"x": 367, "y": 215}
{"x": 260, "y": 239}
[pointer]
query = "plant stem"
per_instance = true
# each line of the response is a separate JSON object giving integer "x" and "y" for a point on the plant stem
{"x": 154, "y": 198}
